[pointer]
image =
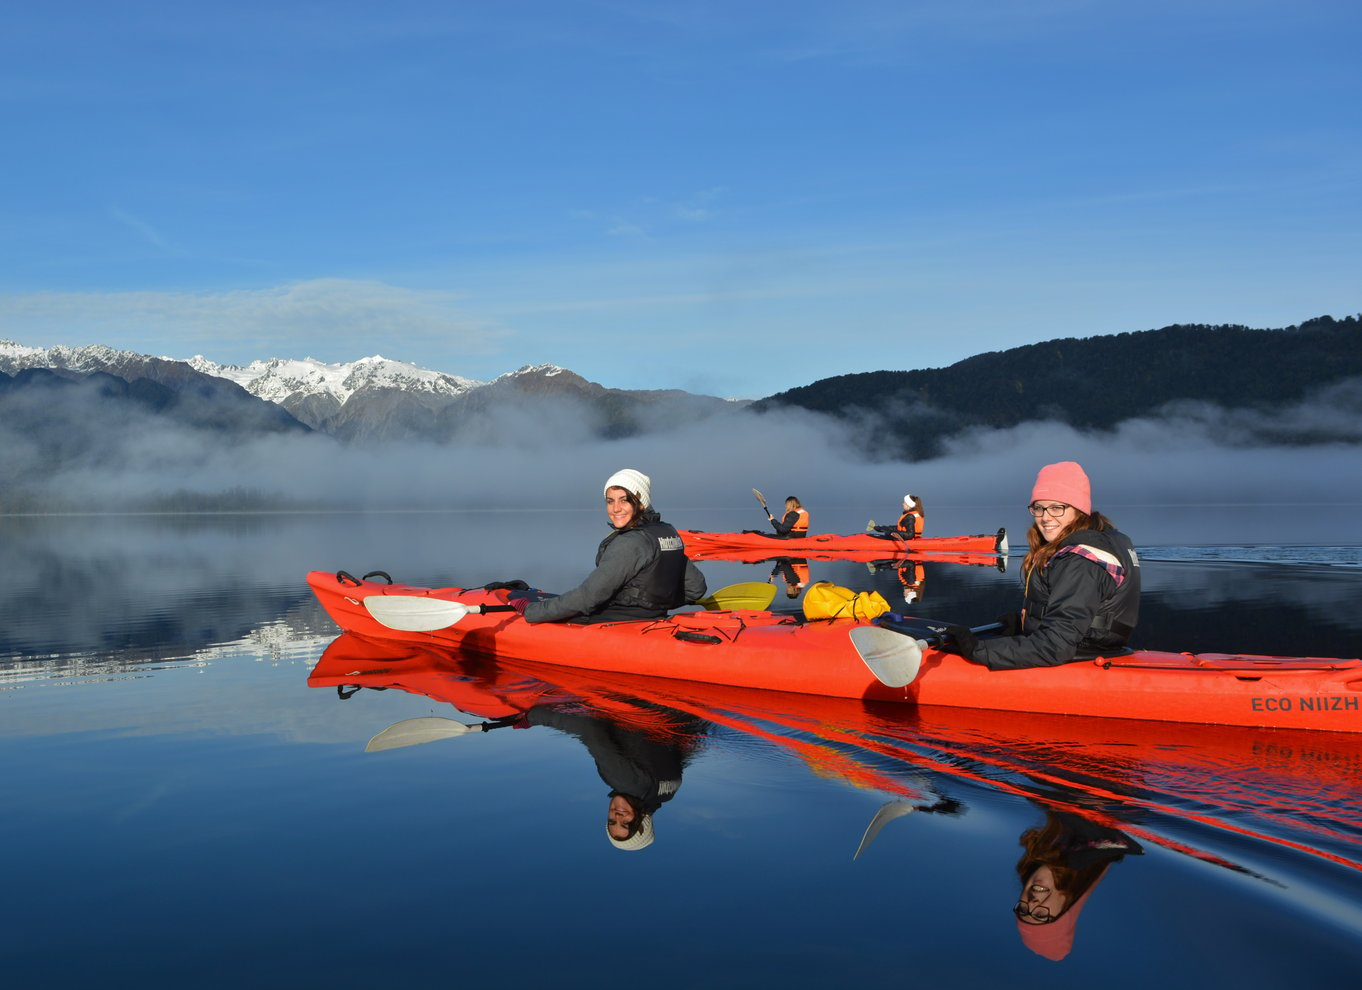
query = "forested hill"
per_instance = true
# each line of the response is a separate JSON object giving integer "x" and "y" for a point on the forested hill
{"x": 1095, "y": 382}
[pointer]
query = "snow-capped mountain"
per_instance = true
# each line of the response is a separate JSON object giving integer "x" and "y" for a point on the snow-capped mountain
{"x": 279, "y": 379}
{"x": 376, "y": 399}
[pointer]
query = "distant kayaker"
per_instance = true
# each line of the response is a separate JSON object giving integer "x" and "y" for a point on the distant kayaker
{"x": 910, "y": 523}
{"x": 642, "y": 571}
{"x": 1081, "y": 583}
{"x": 909, "y": 526}
{"x": 1062, "y": 862}
{"x": 794, "y": 523}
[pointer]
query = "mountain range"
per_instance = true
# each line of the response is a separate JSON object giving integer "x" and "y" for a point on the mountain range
{"x": 89, "y": 413}
{"x": 372, "y": 400}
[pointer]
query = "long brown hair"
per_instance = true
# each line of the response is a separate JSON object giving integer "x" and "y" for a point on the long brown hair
{"x": 1045, "y": 845}
{"x": 1042, "y": 550}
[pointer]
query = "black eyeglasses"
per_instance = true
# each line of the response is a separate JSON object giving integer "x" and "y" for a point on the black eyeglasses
{"x": 1040, "y": 913}
{"x": 1053, "y": 511}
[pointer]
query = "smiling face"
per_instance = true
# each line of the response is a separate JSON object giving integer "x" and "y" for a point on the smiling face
{"x": 619, "y": 817}
{"x": 1052, "y": 518}
{"x": 1040, "y": 901}
{"x": 618, "y": 508}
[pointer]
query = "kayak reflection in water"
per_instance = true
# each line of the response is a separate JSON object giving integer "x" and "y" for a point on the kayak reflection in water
{"x": 1061, "y": 864}
{"x": 793, "y": 573}
{"x": 642, "y": 571}
{"x": 1081, "y": 583}
{"x": 642, "y": 769}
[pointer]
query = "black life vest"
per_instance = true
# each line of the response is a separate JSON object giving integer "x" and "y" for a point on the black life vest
{"x": 659, "y": 587}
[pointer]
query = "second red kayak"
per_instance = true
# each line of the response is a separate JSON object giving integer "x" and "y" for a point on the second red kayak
{"x": 701, "y": 545}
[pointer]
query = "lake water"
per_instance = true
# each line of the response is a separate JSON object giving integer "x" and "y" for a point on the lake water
{"x": 189, "y": 801}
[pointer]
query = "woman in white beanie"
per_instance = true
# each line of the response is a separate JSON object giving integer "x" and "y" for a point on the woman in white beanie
{"x": 642, "y": 571}
{"x": 909, "y": 526}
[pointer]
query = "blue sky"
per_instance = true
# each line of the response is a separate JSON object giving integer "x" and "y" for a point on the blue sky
{"x": 728, "y": 197}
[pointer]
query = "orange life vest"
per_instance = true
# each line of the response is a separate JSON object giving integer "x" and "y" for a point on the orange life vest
{"x": 910, "y": 524}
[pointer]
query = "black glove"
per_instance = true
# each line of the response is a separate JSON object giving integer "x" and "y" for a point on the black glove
{"x": 516, "y": 585}
{"x": 1011, "y": 623}
{"x": 960, "y": 640}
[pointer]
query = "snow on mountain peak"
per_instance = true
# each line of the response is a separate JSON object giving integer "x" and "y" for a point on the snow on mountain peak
{"x": 278, "y": 379}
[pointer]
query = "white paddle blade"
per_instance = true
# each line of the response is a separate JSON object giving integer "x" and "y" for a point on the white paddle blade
{"x": 892, "y": 657}
{"x": 415, "y": 731}
{"x": 886, "y": 814}
{"x": 415, "y": 613}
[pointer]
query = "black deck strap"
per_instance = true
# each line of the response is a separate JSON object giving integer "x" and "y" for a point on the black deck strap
{"x": 383, "y": 574}
{"x": 345, "y": 577}
{"x": 697, "y": 637}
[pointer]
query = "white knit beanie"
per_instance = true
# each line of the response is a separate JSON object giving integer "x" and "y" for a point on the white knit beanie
{"x": 640, "y": 839}
{"x": 632, "y": 481}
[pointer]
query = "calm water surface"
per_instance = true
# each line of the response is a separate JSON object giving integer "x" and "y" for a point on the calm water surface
{"x": 189, "y": 801}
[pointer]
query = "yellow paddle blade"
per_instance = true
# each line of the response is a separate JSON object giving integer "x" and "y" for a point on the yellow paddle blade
{"x": 745, "y": 594}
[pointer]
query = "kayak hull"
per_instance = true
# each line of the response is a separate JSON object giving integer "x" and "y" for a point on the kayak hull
{"x": 701, "y": 545}
{"x": 774, "y": 651}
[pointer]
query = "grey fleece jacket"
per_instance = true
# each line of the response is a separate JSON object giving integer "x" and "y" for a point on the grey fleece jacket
{"x": 623, "y": 559}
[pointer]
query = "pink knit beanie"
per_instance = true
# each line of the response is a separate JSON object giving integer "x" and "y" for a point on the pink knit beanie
{"x": 1063, "y": 482}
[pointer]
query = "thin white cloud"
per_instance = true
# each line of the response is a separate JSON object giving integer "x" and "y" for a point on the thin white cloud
{"x": 145, "y": 230}
{"x": 324, "y": 316}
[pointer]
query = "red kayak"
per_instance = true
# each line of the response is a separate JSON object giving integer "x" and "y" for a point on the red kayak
{"x": 714, "y": 546}
{"x": 835, "y": 658}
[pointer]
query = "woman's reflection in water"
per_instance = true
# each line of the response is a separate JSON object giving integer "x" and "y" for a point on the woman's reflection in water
{"x": 642, "y": 767}
{"x": 1061, "y": 864}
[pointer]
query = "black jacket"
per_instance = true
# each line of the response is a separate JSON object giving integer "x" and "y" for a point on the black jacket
{"x": 1083, "y": 604}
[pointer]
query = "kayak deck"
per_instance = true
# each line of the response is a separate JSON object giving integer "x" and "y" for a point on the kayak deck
{"x": 774, "y": 651}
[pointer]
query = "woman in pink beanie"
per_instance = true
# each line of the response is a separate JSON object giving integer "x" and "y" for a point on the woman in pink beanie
{"x": 1081, "y": 582}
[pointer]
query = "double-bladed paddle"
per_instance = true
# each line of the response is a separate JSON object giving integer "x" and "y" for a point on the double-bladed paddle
{"x": 421, "y": 613}
{"x": 893, "y": 651}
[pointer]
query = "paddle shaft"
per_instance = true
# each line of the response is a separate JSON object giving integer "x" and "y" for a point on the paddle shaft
{"x": 934, "y": 637}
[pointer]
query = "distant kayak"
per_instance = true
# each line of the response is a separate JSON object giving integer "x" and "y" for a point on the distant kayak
{"x": 889, "y": 556}
{"x": 701, "y": 545}
{"x": 782, "y": 652}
